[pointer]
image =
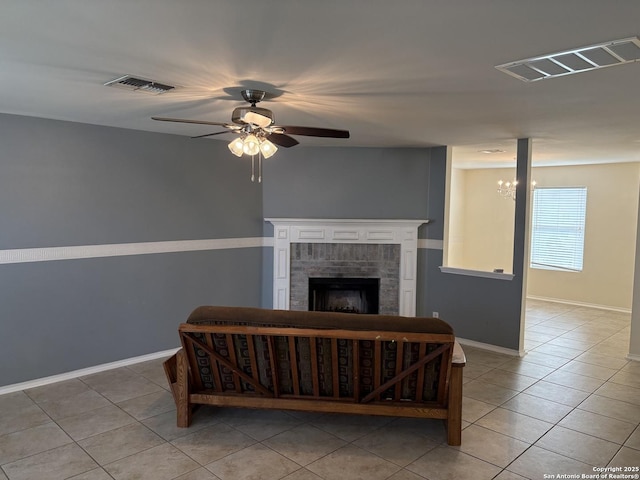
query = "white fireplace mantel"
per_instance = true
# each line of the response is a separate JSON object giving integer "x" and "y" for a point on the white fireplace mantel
{"x": 373, "y": 231}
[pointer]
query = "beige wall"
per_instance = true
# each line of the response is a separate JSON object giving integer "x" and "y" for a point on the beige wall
{"x": 610, "y": 236}
{"x": 485, "y": 231}
{"x": 455, "y": 251}
{"x": 481, "y": 222}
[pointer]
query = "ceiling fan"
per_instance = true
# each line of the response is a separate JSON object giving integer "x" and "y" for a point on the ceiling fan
{"x": 257, "y": 133}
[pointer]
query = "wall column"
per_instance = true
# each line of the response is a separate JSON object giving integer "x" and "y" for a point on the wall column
{"x": 521, "y": 234}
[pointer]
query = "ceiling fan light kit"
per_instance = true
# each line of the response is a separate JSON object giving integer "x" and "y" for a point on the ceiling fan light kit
{"x": 267, "y": 148}
{"x": 236, "y": 147}
{"x": 258, "y": 135}
{"x": 251, "y": 146}
{"x": 260, "y": 117}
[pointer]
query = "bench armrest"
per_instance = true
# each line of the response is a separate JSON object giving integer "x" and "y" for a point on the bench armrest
{"x": 458, "y": 355}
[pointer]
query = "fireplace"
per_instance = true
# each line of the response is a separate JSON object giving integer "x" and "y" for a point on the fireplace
{"x": 346, "y": 295}
{"x": 346, "y": 248}
{"x": 342, "y": 260}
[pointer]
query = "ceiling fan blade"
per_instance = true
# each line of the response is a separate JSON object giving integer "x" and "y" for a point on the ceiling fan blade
{"x": 283, "y": 140}
{"x": 315, "y": 132}
{"x": 198, "y": 122}
{"x": 210, "y": 134}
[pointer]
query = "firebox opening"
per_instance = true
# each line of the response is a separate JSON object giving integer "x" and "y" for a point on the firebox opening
{"x": 346, "y": 295}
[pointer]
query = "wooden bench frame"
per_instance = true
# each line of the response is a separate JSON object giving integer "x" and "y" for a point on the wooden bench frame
{"x": 188, "y": 390}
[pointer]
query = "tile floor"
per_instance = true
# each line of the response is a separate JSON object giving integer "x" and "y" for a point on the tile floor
{"x": 571, "y": 404}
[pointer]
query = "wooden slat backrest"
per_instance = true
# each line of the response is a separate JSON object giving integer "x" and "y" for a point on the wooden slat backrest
{"x": 377, "y": 366}
{"x": 233, "y": 359}
{"x": 442, "y": 349}
{"x": 335, "y": 374}
{"x": 195, "y": 379}
{"x": 251, "y": 347}
{"x": 274, "y": 368}
{"x": 406, "y": 370}
{"x": 356, "y": 369}
{"x": 399, "y": 367}
{"x": 293, "y": 362}
{"x": 227, "y": 363}
{"x": 420, "y": 381}
{"x": 313, "y": 347}
{"x": 215, "y": 366}
{"x": 443, "y": 380}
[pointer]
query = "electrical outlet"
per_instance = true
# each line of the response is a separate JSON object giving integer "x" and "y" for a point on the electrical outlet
{"x": 435, "y": 315}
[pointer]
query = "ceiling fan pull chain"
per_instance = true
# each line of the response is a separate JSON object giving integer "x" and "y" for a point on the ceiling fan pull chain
{"x": 253, "y": 169}
{"x": 260, "y": 167}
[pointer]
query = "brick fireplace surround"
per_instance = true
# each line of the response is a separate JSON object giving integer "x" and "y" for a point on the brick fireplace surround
{"x": 384, "y": 249}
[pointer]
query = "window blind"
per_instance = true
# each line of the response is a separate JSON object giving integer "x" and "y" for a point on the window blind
{"x": 557, "y": 238}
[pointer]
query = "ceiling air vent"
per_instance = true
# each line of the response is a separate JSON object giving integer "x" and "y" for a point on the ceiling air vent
{"x": 138, "y": 84}
{"x": 577, "y": 60}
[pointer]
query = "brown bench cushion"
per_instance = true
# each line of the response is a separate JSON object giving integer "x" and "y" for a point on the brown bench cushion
{"x": 214, "y": 315}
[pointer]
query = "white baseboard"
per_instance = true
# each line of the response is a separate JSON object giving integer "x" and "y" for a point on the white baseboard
{"x": 635, "y": 358}
{"x": 39, "y": 382}
{"x": 580, "y": 304}
{"x": 491, "y": 348}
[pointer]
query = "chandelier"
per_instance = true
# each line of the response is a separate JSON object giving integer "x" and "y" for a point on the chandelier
{"x": 252, "y": 143}
{"x": 508, "y": 189}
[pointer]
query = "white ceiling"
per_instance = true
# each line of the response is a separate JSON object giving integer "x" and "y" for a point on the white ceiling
{"x": 405, "y": 73}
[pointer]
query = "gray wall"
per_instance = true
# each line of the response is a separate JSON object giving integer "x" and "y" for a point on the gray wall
{"x": 64, "y": 184}
{"x": 306, "y": 182}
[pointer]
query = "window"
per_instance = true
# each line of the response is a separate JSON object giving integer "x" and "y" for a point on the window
{"x": 557, "y": 237}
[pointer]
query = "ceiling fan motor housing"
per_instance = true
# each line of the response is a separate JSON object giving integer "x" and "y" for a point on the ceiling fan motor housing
{"x": 260, "y": 117}
{"x": 253, "y": 96}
